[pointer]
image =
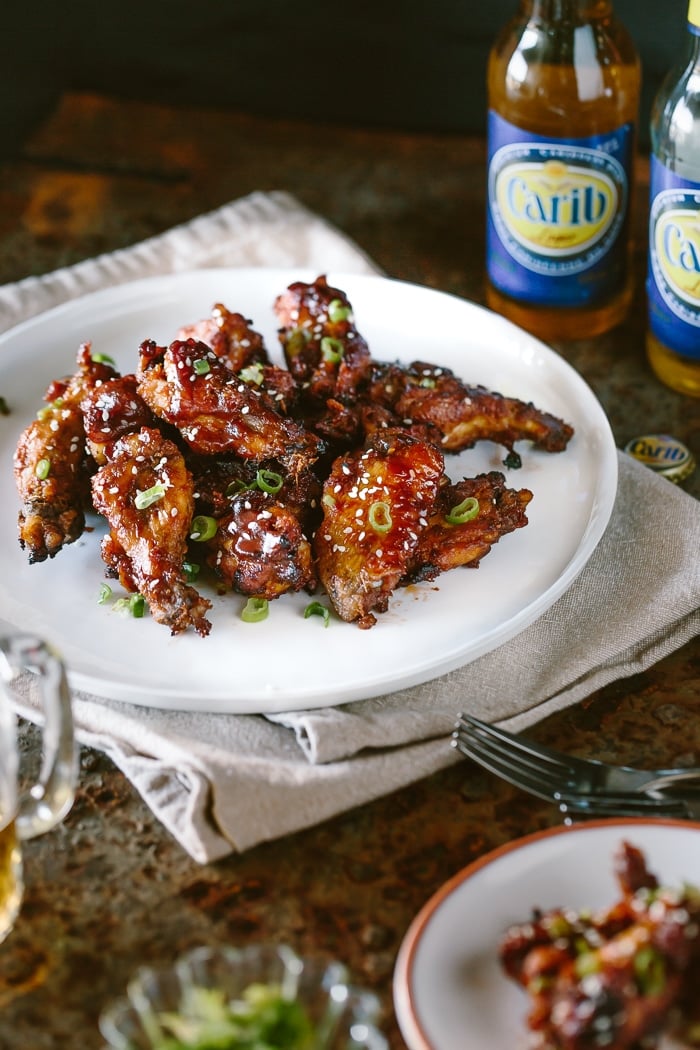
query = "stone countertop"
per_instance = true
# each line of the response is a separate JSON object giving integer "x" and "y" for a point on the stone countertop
{"x": 110, "y": 889}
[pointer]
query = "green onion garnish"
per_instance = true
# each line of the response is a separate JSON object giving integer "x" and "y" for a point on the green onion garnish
{"x": 103, "y": 359}
{"x": 190, "y": 570}
{"x": 147, "y": 497}
{"x": 332, "y": 350}
{"x": 137, "y": 604}
{"x": 650, "y": 970}
{"x": 269, "y": 481}
{"x": 586, "y": 963}
{"x": 379, "y": 516}
{"x": 465, "y": 511}
{"x": 252, "y": 373}
{"x": 255, "y": 610}
{"x": 201, "y": 366}
{"x": 105, "y": 594}
{"x": 337, "y": 311}
{"x": 317, "y": 609}
{"x": 296, "y": 342}
{"x": 203, "y": 528}
{"x": 4, "y": 407}
{"x": 42, "y": 469}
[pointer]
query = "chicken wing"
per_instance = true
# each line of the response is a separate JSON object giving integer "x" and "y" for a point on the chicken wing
{"x": 608, "y": 979}
{"x": 51, "y": 466}
{"x": 376, "y": 502}
{"x": 432, "y": 402}
{"x": 468, "y": 518}
{"x": 216, "y": 412}
{"x": 110, "y": 410}
{"x": 145, "y": 493}
{"x": 230, "y": 336}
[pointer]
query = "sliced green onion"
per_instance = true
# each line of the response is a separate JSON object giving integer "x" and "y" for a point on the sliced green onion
{"x": 236, "y": 486}
{"x": 428, "y": 382}
{"x": 269, "y": 481}
{"x": 201, "y": 366}
{"x": 137, "y": 605}
{"x": 102, "y": 359}
{"x": 252, "y": 373}
{"x": 462, "y": 512}
{"x": 105, "y": 594}
{"x": 42, "y": 469}
{"x": 255, "y": 610}
{"x": 317, "y": 609}
{"x": 328, "y": 501}
{"x": 332, "y": 350}
{"x": 147, "y": 497}
{"x": 586, "y": 963}
{"x": 379, "y": 516}
{"x": 338, "y": 311}
{"x": 190, "y": 570}
{"x": 4, "y": 407}
{"x": 650, "y": 971}
{"x": 296, "y": 342}
{"x": 46, "y": 410}
{"x": 203, "y": 528}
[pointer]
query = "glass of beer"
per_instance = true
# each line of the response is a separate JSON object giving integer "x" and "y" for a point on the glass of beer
{"x": 29, "y": 811}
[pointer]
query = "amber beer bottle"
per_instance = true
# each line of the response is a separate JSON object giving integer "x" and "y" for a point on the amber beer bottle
{"x": 673, "y": 282}
{"x": 563, "y": 93}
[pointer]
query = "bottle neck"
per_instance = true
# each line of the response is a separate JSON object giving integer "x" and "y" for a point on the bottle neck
{"x": 576, "y": 11}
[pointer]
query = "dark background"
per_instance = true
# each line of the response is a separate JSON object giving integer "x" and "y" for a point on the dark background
{"x": 417, "y": 65}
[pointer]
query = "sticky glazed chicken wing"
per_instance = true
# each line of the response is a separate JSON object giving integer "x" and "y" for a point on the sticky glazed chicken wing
{"x": 230, "y": 335}
{"x": 376, "y": 502}
{"x": 609, "y": 979}
{"x": 215, "y": 411}
{"x": 467, "y": 520}
{"x": 110, "y": 410}
{"x": 433, "y": 402}
{"x": 146, "y": 494}
{"x": 52, "y": 469}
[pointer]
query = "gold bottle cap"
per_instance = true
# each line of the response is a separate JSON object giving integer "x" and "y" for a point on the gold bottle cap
{"x": 663, "y": 454}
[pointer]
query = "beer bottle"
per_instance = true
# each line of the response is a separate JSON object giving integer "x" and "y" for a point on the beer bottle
{"x": 563, "y": 93}
{"x": 673, "y": 281}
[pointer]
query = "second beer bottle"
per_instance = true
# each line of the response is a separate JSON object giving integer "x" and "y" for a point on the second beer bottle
{"x": 563, "y": 90}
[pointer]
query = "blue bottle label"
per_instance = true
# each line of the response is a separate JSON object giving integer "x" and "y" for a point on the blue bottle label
{"x": 557, "y": 214}
{"x": 673, "y": 280}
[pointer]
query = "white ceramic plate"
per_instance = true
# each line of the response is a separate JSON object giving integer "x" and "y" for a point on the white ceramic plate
{"x": 449, "y": 990}
{"x": 288, "y": 662}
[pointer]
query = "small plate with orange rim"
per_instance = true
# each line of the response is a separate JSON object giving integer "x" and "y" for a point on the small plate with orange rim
{"x": 450, "y": 992}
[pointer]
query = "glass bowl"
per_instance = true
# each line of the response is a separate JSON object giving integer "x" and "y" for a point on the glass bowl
{"x": 226, "y": 998}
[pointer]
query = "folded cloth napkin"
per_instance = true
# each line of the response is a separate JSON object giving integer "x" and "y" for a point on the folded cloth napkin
{"x": 221, "y": 783}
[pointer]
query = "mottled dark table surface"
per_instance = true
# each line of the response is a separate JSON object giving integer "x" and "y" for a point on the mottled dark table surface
{"x": 110, "y": 889}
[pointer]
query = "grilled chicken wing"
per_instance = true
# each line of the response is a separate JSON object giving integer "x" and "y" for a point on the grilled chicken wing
{"x": 216, "y": 412}
{"x": 434, "y": 403}
{"x": 230, "y": 336}
{"x": 145, "y": 493}
{"x": 322, "y": 347}
{"x": 52, "y": 469}
{"x": 376, "y": 502}
{"x": 609, "y": 979}
{"x": 468, "y": 518}
{"x": 259, "y": 548}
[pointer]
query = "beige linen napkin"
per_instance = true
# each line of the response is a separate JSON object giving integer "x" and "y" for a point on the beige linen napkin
{"x": 226, "y": 782}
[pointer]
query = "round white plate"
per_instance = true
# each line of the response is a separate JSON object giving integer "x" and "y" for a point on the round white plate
{"x": 287, "y": 662}
{"x": 450, "y": 992}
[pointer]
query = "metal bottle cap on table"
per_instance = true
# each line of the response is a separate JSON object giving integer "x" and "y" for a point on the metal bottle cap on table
{"x": 663, "y": 454}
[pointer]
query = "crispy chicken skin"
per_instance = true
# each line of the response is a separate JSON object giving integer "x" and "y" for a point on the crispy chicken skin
{"x": 445, "y": 545}
{"x": 375, "y": 504}
{"x": 52, "y": 469}
{"x": 230, "y": 336}
{"x": 215, "y": 412}
{"x": 147, "y": 544}
{"x": 433, "y": 402}
{"x": 609, "y": 979}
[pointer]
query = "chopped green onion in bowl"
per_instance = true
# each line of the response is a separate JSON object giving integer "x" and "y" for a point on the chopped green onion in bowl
{"x": 261, "y": 997}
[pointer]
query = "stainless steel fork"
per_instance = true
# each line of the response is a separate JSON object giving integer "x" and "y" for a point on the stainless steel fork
{"x": 553, "y": 775}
